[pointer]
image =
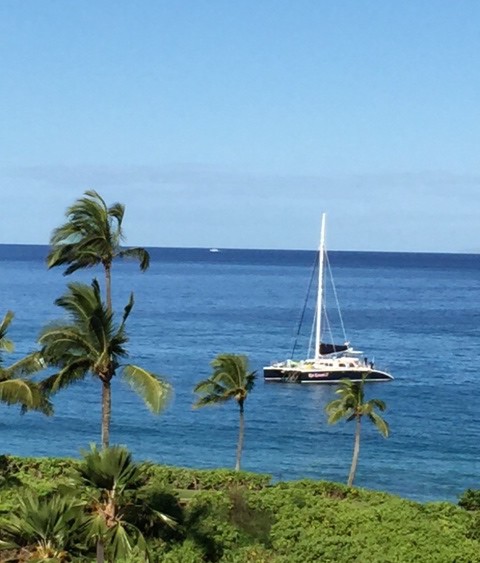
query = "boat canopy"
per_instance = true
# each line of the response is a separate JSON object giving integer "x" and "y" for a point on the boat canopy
{"x": 326, "y": 349}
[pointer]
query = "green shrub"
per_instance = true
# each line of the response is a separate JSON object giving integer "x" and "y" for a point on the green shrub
{"x": 204, "y": 479}
{"x": 229, "y": 517}
{"x": 470, "y": 499}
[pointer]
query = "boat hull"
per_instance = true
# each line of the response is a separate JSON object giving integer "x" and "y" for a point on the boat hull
{"x": 318, "y": 376}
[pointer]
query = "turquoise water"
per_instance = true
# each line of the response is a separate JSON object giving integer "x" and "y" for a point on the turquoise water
{"x": 418, "y": 315}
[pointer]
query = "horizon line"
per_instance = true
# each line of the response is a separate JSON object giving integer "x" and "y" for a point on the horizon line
{"x": 225, "y": 248}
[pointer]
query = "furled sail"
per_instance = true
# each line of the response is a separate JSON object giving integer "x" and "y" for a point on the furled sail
{"x": 332, "y": 348}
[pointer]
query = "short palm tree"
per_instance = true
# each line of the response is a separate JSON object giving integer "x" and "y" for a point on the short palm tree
{"x": 15, "y": 387}
{"x": 91, "y": 342}
{"x": 352, "y": 406}
{"x": 91, "y": 236}
{"x": 43, "y": 529}
{"x": 113, "y": 480}
{"x": 231, "y": 379}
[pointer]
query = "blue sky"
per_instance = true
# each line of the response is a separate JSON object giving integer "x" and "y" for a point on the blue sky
{"x": 236, "y": 124}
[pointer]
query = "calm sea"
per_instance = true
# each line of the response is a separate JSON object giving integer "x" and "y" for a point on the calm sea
{"x": 417, "y": 315}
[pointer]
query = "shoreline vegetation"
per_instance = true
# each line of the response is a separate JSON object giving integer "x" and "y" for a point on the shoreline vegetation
{"x": 107, "y": 507}
{"x": 227, "y": 516}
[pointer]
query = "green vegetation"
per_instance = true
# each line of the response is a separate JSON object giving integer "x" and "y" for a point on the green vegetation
{"x": 229, "y": 517}
{"x": 91, "y": 236}
{"x": 108, "y": 508}
{"x": 92, "y": 343}
{"x": 470, "y": 500}
{"x": 231, "y": 379}
{"x": 43, "y": 528}
{"x": 15, "y": 387}
{"x": 117, "y": 511}
{"x": 352, "y": 406}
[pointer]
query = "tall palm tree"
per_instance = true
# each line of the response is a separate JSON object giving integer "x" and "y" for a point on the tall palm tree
{"x": 91, "y": 342}
{"x": 92, "y": 235}
{"x": 352, "y": 406}
{"x": 114, "y": 481}
{"x": 231, "y": 379}
{"x": 15, "y": 387}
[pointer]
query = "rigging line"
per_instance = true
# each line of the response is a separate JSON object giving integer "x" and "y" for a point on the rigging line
{"x": 327, "y": 322}
{"x": 336, "y": 299}
{"x": 302, "y": 316}
{"x": 312, "y": 333}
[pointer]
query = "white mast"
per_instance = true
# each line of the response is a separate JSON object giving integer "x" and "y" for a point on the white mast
{"x": 321, "y": 255}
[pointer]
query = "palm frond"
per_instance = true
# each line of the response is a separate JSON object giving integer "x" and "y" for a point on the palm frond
{"x": 137, "y": 253}
{"x": 99, "y": 333}
{"x": 80, "y": 300}
{"x": 5, "y": 344}
{"x": 91, "y": 235}
{"x": 58, "y": 344}
{"x": 96, "y": 527}
{"x": 230, "y": 369}
{"x": 94, "y": 195}
{"x": 117, "y": 212}
{"x": 210, "y": 386}
{"x": 125, "y": 539}
{"x": 231, "y": 379}
{"x": 36, "y": 521}
{"x": 380, "y": 423}
{"x": 85, "y": 238}
{"x": 211, "y": 399}
{"x": 154, "y": 390}
{"x": 63, "y": 252}
{"x": 335, "y": 416}
{"x": 72, "y": 373}
{"x": 351, "y": 405}
{"x": 127, "y": 309}
{"x": 111, "y": 469}
{"x": 250, "y": 381}
{"x": 26, "y": 394}
{"x": 81, "y": 262}
{"x": 379, "y": 404}
{"x": 334, "y": 405}
{"x": 91, "y": 332}
{"x": 28, "y": 365}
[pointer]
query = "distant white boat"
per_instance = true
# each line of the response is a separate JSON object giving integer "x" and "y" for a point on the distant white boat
{"x": 214, "y": 250}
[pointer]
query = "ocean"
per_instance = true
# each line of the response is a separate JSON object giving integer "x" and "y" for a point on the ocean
{"x": 416, "y": 315}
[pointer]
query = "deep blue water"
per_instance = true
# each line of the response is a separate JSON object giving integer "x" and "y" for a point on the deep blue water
{"x": 418, "y": 315}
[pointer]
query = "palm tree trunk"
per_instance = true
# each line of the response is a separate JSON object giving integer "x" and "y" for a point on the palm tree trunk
{"x": 108, "y": 286}
{"x": 241, "y": 431}
{"x": 100, "y": 551}
{"x": 356, "y": 451}
{"x": 106, "y": 412}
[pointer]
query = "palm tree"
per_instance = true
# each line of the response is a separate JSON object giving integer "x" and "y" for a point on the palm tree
{"x": 93, "y": 343}
{"x": 104, "y": 505}
{"x": 231, "y": 379}
{"x": 91, "y": 236}
{"x": 43, "y": 529}
{"x": 15, "y": 388}
{"x": 114, "y": 480}
{"x": 352, "y": 406}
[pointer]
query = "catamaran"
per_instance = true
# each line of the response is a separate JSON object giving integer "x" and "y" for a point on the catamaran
{"x": 330, "y": 362}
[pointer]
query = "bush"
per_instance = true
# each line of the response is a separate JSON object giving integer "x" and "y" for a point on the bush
{"x": 204, "y": 479}
{"x": 230, "y": 517}
{"x": 470, "y": 499}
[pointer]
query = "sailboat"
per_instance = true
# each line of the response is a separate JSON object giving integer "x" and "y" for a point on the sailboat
{"x": 331, "y": 362}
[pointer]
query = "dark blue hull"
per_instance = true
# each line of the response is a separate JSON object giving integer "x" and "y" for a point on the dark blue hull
{"x": 289, "y": 375}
